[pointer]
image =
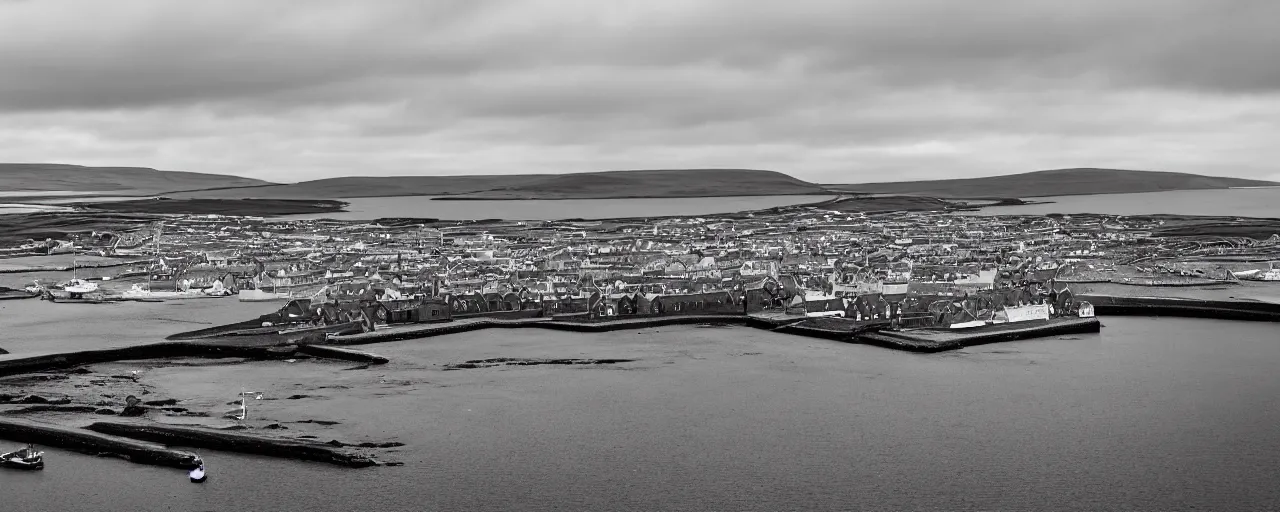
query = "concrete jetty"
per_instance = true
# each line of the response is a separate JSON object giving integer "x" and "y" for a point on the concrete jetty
{"x": 342, "y": 353}
{"x": 938, "y": 340}
{"x": 201, "y": 437}
{"x": 95, "y": 443}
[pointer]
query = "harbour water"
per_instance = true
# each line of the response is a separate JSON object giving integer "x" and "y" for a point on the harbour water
{"x": 1238, "y": 202}
{"x": 369, "y": 208}
{"x": 1151, "y": 414}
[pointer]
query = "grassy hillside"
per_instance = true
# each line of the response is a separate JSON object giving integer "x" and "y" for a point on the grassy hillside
{"x": 656, "y": 183}
{"x": 593, "y": 185}
{"x": 374, "y": 186}
{"x": 1058, "y": 182}
{"x": 18, "y": 178}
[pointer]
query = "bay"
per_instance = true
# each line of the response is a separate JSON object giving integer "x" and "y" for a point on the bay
{"x": 1236, "y": 202}
{"x": 369, "y": 208}
{"x": 1151, "y": 414}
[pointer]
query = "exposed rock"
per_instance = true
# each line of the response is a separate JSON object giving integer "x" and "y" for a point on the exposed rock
{"x": 37, "y": 399}
{"x": 276, "y": 426}
{"x": 389, "y": 444}
{"x": 105, "y": 412}
{"x": 509, "y": 361}
{"x": 38, "y": 377}
{"x": 51, "y": 408}
{"x": 318, "y": 422}
{"x": 158, "y": 403}
{"x": 297, "y": 397}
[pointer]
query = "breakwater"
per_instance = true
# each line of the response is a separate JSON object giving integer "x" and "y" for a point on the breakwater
{"x": 939, "y": 340}
{"x": 201, "y": 437}
{"x": 95, "y": 443}
{"x": 414, "y": 331}
{"x": 1188, "y": 307}
{"x": 161, "y": 350}
{"x": 826, "y": 328}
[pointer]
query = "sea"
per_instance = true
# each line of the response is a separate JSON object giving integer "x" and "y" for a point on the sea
{"x": 1150, "y": 414}
{"x": 369, "y": 208}
{"x": 1236, "y": 202}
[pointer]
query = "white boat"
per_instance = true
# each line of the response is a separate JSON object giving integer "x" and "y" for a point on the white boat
{"x": 76, "y": 285}
{"x": 143, "y": 291}
{"x": 26, "y": 458}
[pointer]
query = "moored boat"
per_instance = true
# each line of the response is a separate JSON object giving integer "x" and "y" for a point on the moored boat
{"x": 198, "y": 475}
{"x": 26, "y": 458}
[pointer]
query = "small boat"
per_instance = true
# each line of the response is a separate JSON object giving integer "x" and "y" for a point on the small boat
{"x": 26, "y": 458}
{"x": 197, "y": 475}
{"x": 78, "y": 286}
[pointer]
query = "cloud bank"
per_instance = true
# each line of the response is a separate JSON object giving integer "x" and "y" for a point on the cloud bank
{"x": 838, "y": 91}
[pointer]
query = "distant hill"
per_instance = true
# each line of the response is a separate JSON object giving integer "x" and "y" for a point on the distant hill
{"x": 18, "y": 178}
{"x": 1058, "y": 182}
{"x": 590, "y": 185}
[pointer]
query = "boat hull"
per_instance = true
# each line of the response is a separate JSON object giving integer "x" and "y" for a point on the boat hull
{"x": 21, "y": 460}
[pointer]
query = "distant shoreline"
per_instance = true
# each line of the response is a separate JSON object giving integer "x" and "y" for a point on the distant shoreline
{"x": 475, "y": 198}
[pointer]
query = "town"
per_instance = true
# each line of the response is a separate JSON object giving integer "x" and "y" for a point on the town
{"x": 833, "y": 270}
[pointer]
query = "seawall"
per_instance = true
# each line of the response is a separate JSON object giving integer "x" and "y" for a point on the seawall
{"x": 152, "y": 351}
{"x": 1174, "y": 306}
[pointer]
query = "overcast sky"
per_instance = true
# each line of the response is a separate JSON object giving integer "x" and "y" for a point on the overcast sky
{"x": 837, "y": 91}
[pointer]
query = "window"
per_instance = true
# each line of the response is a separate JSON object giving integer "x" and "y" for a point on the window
{"x": 435, "y": 312}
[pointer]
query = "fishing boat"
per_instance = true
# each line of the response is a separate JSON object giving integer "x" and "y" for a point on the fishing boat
{"x": 26, "y": 458}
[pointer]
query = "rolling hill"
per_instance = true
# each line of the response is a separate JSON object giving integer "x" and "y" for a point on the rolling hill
{"x": 589, "y": 185}
{"x": 1057, "y": 182}
{"x": 45, "y": 179}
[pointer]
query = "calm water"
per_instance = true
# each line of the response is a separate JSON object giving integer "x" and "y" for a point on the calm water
{"x": 1151, "y": 414}
{"x": 1252, "y": 202}
{"x": 368, "y": 208}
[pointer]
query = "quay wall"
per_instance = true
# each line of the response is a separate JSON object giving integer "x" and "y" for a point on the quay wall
{"x": 1173, "y": 306}
{"x": 938, "y": 340}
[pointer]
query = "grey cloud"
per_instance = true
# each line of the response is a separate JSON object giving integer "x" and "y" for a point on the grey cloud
{"x": 812, "y": 87}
